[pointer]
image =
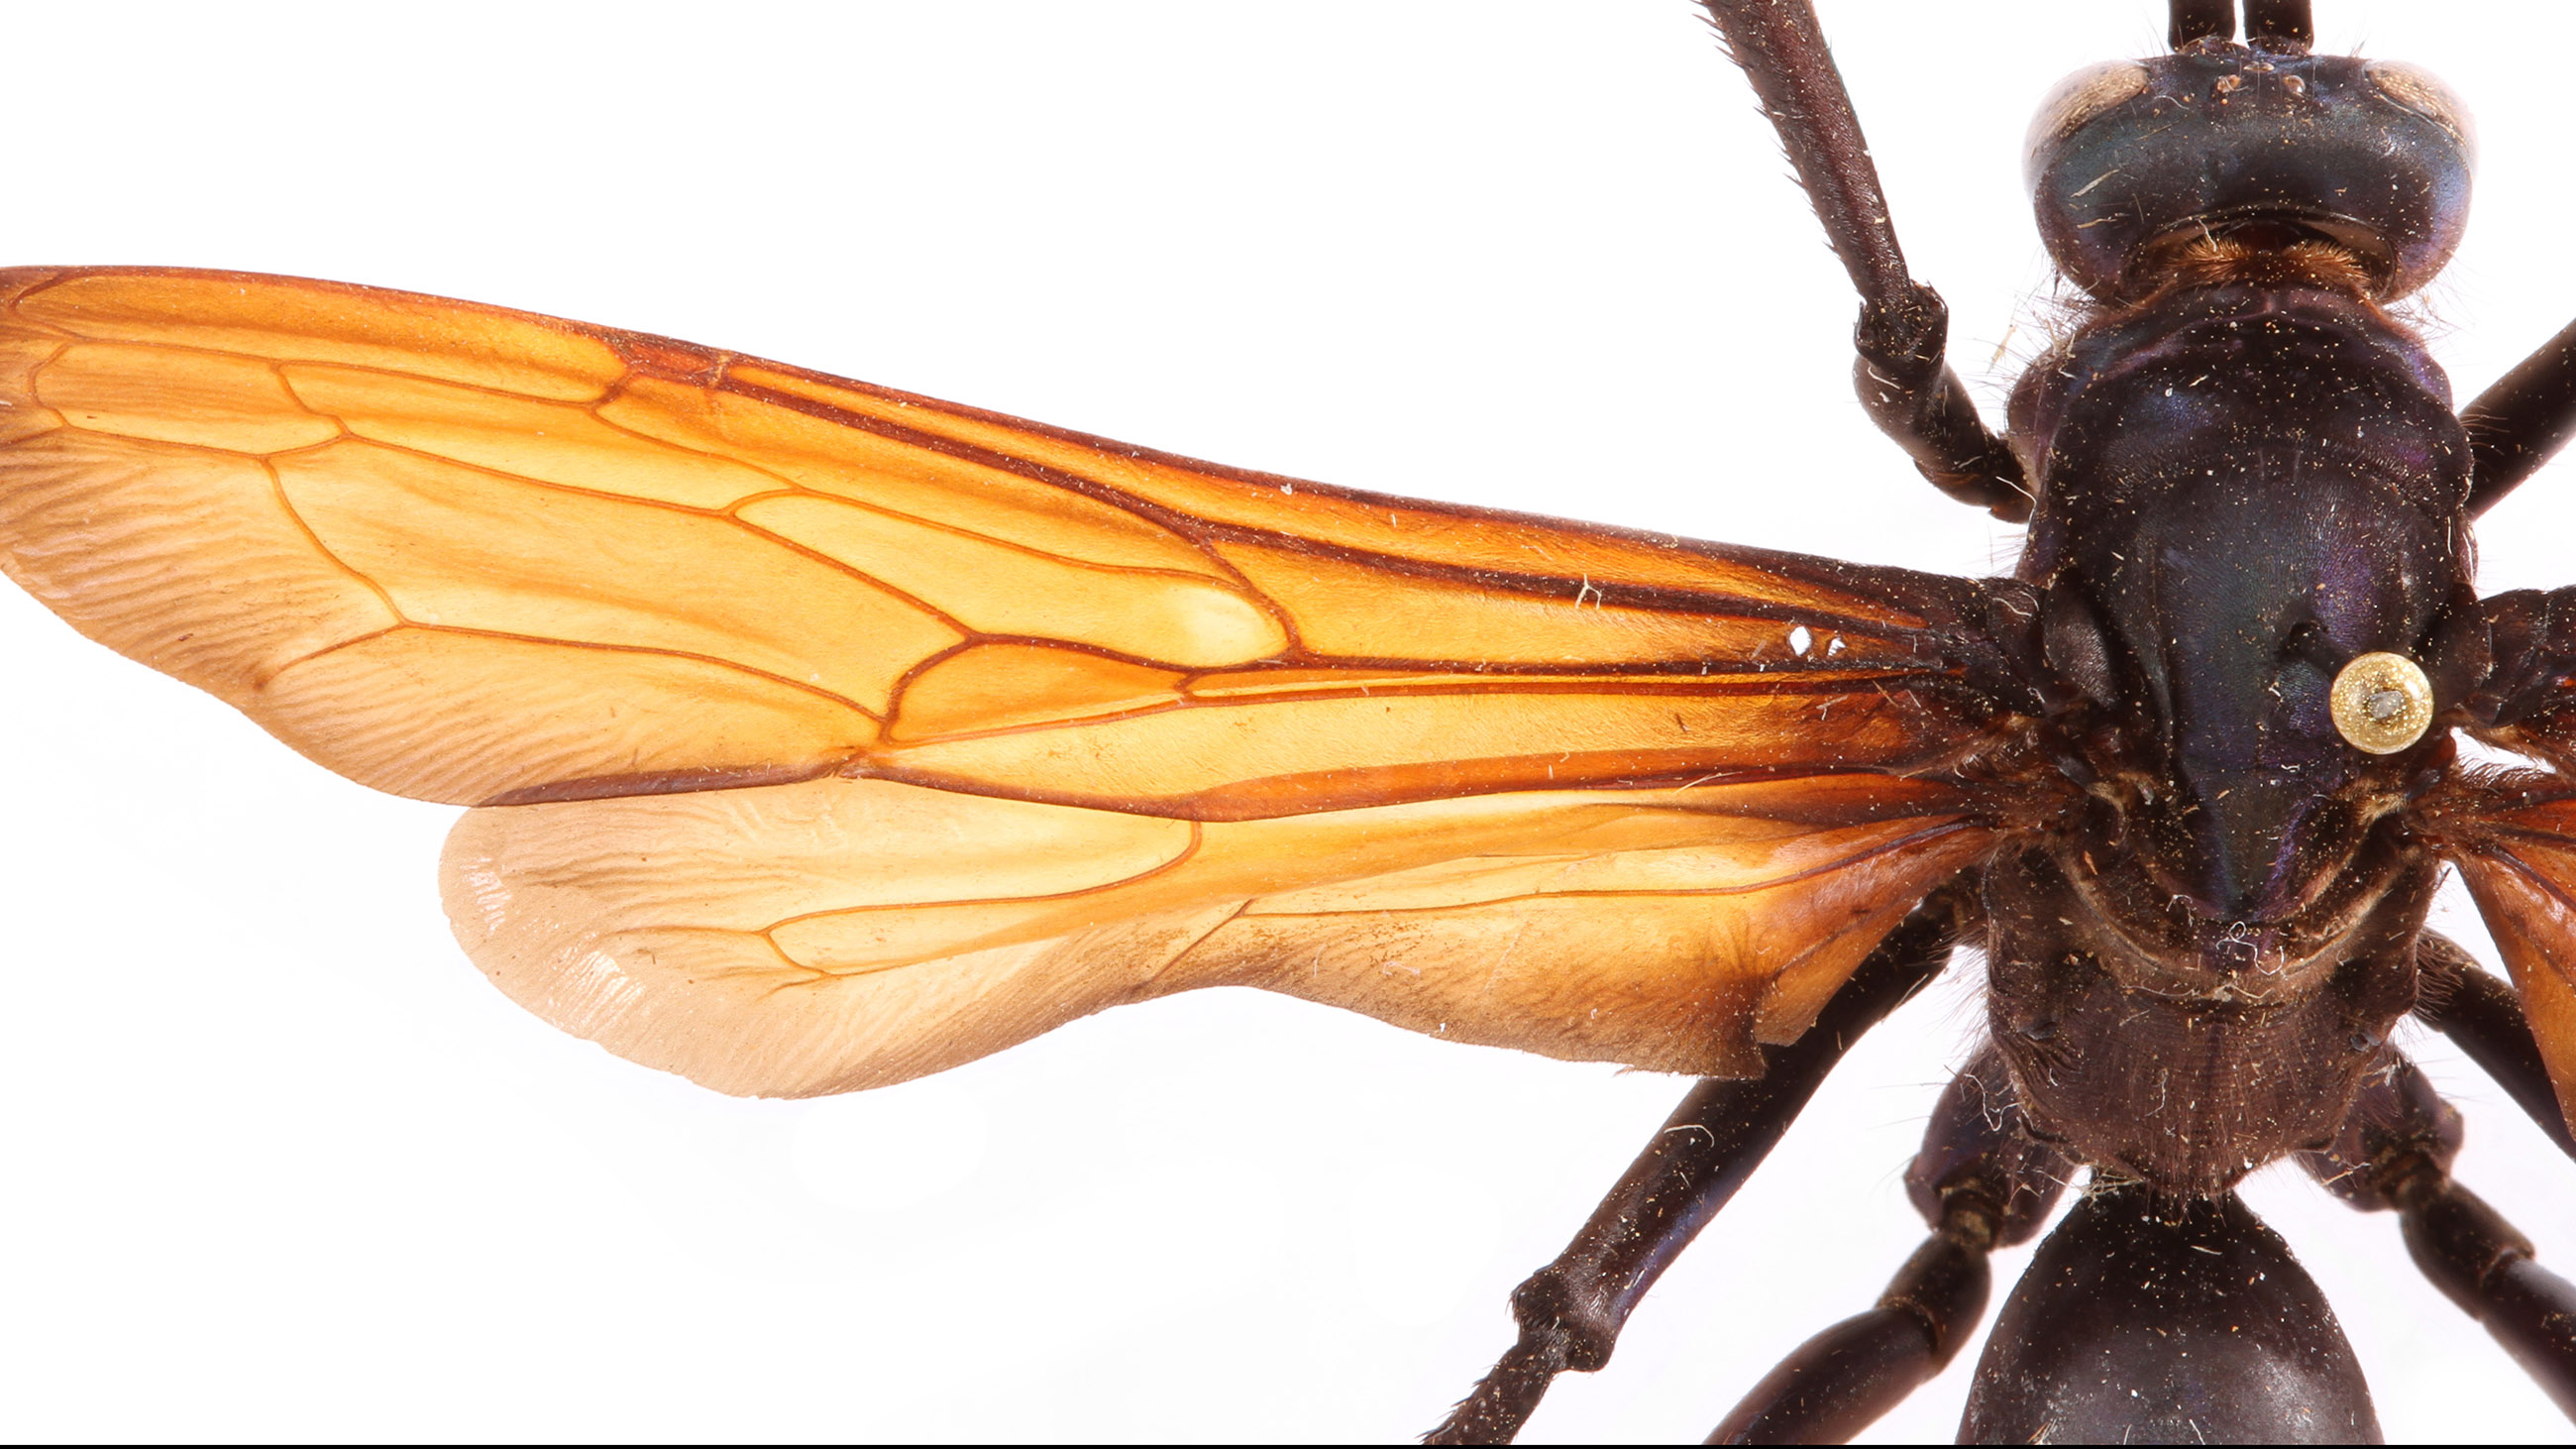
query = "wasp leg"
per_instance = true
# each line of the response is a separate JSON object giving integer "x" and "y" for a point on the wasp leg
{"x": 2478, "y": 1011}
{"x": 1840, "y": 1381}
{"x": 1904, "y": 329}
{"x": 2521, "y": 420}
{"x": 1982, "y": 1183}
{"x": 1570, "y": 1312}
{"x": 2476, "y": 1257}
{"x": 2396, "y": 1152}
{"x": 2521, "y": 700}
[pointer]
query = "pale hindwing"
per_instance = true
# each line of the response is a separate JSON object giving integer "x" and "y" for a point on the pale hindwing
{"x": 834, "y": 934}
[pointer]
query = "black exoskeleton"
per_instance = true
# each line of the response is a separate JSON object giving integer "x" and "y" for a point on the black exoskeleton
{"x": 2229, "y": 665}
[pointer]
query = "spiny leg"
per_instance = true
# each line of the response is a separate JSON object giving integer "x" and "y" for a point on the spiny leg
{"x": 2395, "y": 1151}
{"x": 1904, "y": 330}
{"x": 2480, "y": 1013}
{"x": 1982, "y": 1183}
{"x": 1570, "y": 1312}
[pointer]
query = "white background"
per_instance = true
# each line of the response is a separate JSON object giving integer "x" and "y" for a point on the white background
{"x": 278, "y": 1162}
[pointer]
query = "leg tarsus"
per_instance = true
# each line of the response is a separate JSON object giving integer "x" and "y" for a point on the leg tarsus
{"x": 1501, "y": 1401}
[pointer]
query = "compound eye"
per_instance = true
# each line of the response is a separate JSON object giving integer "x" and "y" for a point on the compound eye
{"x": 2382, "y": 703}
{"x": 2072, "y": 102}
{"x": 2422, "y": 92}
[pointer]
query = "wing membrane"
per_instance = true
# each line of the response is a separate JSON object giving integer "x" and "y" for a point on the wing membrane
{"x": 834, "y": 734}
{"x": 836, "y": 934}
{"x": 2514, "y": 840}
{"x": 345, "y": 511}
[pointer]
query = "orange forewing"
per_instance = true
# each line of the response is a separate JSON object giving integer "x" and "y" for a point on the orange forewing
{"x": 636, "y": 595}
{"x": 614, "y": 564}
{"x": 836, "y": 933}
{"x": 2514, "y": 840}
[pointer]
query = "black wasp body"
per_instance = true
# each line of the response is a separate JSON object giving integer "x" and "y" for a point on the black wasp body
{"x": 1779, "y": 1225}
{"x": 2229, "y": 668}
{"x": 2248, "y": 476}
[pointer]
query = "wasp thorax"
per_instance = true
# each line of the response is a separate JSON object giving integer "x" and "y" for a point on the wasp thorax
{"x": 2129, "y": 163}
{"x": 2382, "y": 703}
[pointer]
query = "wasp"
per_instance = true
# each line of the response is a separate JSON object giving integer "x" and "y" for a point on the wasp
{"x": 1716, "y": 527}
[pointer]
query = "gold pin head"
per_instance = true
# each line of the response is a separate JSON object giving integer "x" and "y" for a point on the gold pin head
{"x": 2382, "y": 703}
